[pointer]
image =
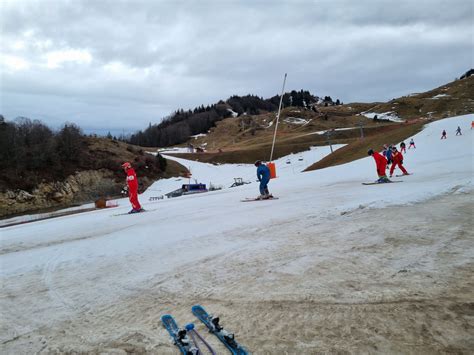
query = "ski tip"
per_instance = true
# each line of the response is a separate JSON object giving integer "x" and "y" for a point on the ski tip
{"x": 165, "y": 317}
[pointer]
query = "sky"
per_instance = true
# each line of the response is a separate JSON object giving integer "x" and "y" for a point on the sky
{"x": 119, "y": 65}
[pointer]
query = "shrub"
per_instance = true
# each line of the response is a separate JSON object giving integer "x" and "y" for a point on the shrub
{"x": 161, "y": 162}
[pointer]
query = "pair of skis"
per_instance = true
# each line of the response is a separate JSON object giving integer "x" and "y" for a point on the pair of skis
{"x": 133, "y": 213}
{"x": 381, "y": 183}
{"x": 190, "y": 346}
{"x": 386, "y": 182}
{"x": 250, "y": 199}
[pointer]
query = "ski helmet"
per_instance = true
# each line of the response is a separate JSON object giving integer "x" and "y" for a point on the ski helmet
{"x": 258, "y": 162}
{"x": 126, "y": 165}
{"x": 370, "y": 152}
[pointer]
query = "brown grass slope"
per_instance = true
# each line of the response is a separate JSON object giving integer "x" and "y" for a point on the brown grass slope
{"x": 452, "y": 99}
{"x": 245, "y": 139}
{"x": 358, "y": 148}
{"x": 104, "y": 153}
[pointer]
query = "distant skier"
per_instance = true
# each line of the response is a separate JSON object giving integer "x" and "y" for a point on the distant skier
{"x": 443, "y": 134}
{"x": 403, "y": 148}
{"x": 263, "y": 175}
{"x": 412, "y": 144}
{"x": 132, "y": 184}
{"x": 458, "y": 131}
{"x": 397, "y": 158}
{"x": 381, "y": 164}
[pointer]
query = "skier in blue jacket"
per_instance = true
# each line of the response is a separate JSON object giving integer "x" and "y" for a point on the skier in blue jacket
{"x": 387, "y": 153}
{"x": 263, "y": 175}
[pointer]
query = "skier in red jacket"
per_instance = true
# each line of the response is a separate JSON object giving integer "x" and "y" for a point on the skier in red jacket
{"x": 132, "y": 184}
{"x": 381, "y": 163}
{"x": 397, "y": 159}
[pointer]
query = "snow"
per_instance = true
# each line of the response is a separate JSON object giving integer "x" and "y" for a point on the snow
{"x": 234, "y": 114}
{"x": 296, "y": 120}
{"x": 175, "y": 150}
{"x": 440, "y": 96}
{"x": 389, "y": 116}
{"x": 331, "y": 130}
{"x": 224, "y": 174}
{"x": 196, "y": 136}
{"x": 57, "y": 269}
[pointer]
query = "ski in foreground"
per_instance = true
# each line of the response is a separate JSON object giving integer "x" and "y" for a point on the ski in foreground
{"x": 179, "y": 336}
{"x": 212, "y": 323}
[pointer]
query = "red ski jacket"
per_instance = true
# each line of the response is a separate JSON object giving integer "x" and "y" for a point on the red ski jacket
{"x": 397, "y": 158}
{"x": 132, "y": 181}
{"x": 381, "y": 163}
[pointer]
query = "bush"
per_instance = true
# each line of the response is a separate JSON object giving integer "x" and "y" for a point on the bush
{"x": 161, "y": 162}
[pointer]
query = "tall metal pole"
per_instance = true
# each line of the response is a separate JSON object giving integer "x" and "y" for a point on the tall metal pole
{"x": 278, "y": 117}
{"x": 328, "y": 135}
{"x": 361, "y": 124}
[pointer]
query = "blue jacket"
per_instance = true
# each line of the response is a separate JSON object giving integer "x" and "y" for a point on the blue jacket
{"x": 263, "y": 173}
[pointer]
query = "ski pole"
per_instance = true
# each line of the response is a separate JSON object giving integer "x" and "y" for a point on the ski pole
{"x": 193, "y": 332}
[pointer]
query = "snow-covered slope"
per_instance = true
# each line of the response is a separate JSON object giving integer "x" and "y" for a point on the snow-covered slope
{"x": 57, "y": 268}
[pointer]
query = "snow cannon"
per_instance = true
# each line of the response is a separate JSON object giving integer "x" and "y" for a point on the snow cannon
{"x": 272, "y": 167}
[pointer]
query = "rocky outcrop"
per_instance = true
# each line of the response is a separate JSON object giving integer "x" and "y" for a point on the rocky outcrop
{"x": 84, "y": 186}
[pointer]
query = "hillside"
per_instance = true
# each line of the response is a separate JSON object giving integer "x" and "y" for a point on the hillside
{"x": 366, "y": 269}
{"x": 46, "y": 170}
{"x": 42, "y": 175}
{"x": 247, "y": 138}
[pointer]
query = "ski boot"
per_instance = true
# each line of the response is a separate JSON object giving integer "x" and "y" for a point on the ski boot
{"x": 183, "y": 340}
{"x": 383, "y": 179}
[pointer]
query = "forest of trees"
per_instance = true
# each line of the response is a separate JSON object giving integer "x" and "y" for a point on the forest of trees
{"x": 178, "y": 127}
{"x": 28, "y": 148}
{"x": 30, "y": 152}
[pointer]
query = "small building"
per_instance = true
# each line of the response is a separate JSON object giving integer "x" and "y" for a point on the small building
{"x": 188, "y": 189}
{"x": 193, "y": 188}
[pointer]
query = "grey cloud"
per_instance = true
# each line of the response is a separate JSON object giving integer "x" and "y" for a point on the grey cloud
{"x": 181, "y": 54}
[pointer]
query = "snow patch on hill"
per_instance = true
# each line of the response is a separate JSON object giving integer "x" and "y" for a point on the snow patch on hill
{"x": 389, "y": 116}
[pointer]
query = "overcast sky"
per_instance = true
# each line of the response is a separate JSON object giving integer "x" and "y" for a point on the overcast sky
{"x": 118, "y": 65}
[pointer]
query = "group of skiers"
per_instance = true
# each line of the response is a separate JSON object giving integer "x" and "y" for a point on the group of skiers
{"x": 389, "y": 159}
{"x": 444, "y": 134}
{"x": 390, "y": 156}
{"x": 263, "y": 175}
